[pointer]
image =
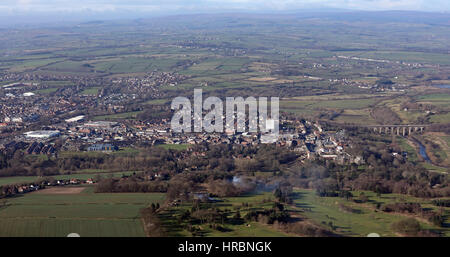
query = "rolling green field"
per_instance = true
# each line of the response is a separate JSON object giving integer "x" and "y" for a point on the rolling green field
{"x": 248, "y": 229}
{"x": 90, "y": 91}
{"x": 356, "y": 110}
{"x": 405, "y": 146}
{"x": 435, "y": 97}
{"x": 337, "y": 104}
{"x": 321, "y": 211}
{"x": 180, "y": 147}
{"x": 306, "y": 60}
{"x": 124, "y": 115}
{"x": 122, "y": 151}
{"x": 441, "y": 101}
{"x": 441, "y": 118}
{"x": 46, "y": 91}
{"x": 109, "y": 214}
{"x": 310, "y": 89}
{"x": 157, "y": 101}
{"x": 366, "y": 218}
{"x": 85, "y": 213}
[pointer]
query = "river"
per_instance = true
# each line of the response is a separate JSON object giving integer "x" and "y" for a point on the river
{"x": 441, "y": 86}
{"x": 422, "y": 151}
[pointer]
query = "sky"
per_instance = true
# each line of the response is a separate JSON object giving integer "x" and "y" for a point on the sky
{"x": 204, "y": 5}
{"x": 21, "y": 10}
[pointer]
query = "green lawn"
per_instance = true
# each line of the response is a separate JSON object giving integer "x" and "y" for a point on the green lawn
{"x": 46, "y": 91}
{"x": 254, "y": 229}
{"x": 179, "y": 147}
{"x": 435, "y": 97}
{"x": 435, "y": 168}
{"x": 157, "y": 101}
{"x": 440, "y": 100}
{"x": 122, "y": 151}
{"x": 355, "y": 109}
{"x": 90, "y": 91}
{"x": 412, "y": 153}
{"x": 441, "y": 118}
{"x": 250, "y": 229}
{"x": 124, "y": 115}
{"x": 368, "y": 220}
{"x": 86, "y": 213}
{"x": 361, "y": 221}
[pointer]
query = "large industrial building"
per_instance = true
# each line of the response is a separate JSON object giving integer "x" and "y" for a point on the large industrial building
{"x": 42, "y": 134}
{"x": 75, "y": 119}
{"x": 101, "y": 124}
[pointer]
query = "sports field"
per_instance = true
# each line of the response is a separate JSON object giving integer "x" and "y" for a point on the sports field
{"x": 58, "y": 212}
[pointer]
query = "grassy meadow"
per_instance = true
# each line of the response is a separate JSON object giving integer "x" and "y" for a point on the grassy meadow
{"x": 87, "y": 213}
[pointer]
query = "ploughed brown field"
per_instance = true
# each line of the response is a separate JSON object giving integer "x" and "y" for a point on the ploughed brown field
{"x": 61, "y": 190}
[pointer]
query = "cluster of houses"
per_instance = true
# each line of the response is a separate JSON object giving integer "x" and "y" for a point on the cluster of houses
{"x": 11, "y": 190}
{"x": 306, "y": 138}
{"x": 24, "y": 103}
{"x": 154, "y": 78}
{"x": 40, "y": 148}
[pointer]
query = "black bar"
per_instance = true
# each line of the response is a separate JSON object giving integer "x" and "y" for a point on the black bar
{"x": 262, "y": 246}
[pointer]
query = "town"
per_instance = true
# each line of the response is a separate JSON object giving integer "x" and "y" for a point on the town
{"x": 343, "y": 128}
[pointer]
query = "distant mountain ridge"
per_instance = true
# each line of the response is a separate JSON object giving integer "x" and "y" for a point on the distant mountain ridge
{"x": 414, "y": 17}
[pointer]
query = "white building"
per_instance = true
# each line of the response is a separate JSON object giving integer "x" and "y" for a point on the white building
{"x": 101, "y": 124}
{"x": 28, "y": 94}
{"x": 42, "y": 134}
{"x": 75, "y": 119}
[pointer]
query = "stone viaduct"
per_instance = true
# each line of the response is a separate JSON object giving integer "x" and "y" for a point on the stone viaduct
{"x": 397, "y": 129}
